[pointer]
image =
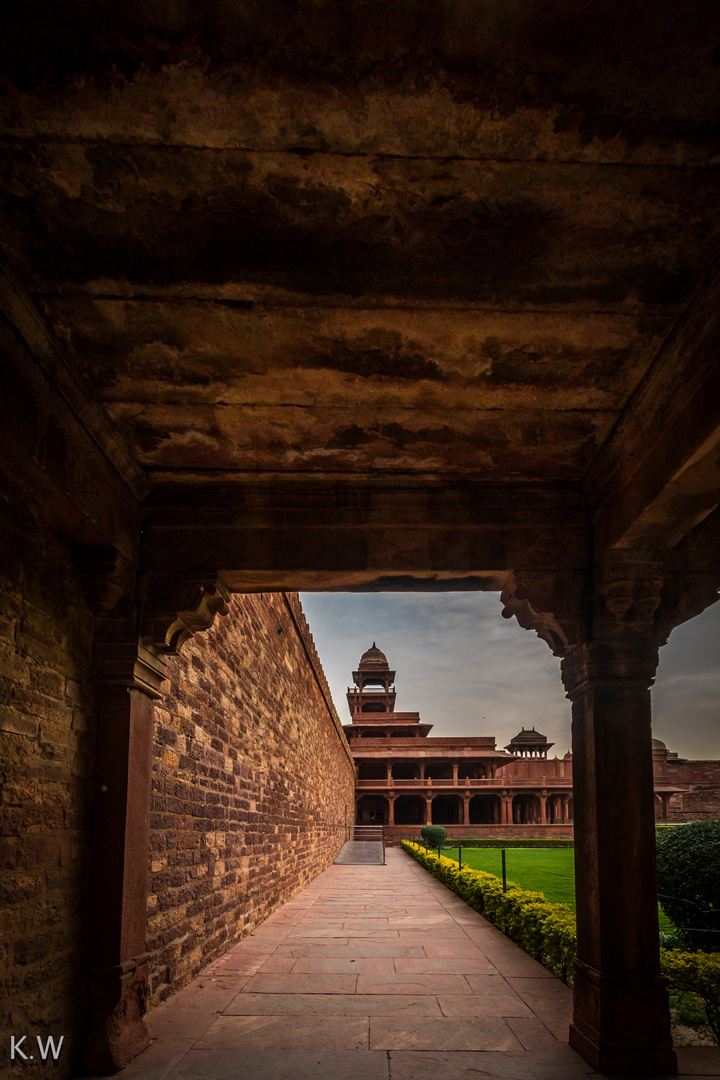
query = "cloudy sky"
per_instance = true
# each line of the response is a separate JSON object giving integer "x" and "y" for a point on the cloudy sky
{"x": 468, "y": 671}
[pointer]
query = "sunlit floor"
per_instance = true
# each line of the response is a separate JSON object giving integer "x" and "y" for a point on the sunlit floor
{"x": 372, "y": 972}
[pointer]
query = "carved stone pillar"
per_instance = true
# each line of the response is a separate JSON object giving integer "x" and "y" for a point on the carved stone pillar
{"x": 428, "y": 810}
{"x": 543, "y": 808}
{"x": 621, "y": 1021}
{"x": 129, "y": 679}
{"x": 391, "y": 809}
{"x": 466, "y": 809}
{"x": 455, "y": 766}
{"x": 388, "y": 767}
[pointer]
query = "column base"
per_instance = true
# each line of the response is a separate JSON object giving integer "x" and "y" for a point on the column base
{"x": 118, "y": 1032}
{"x": 624, "y": 1060}
{"x": 621, "y": 1023}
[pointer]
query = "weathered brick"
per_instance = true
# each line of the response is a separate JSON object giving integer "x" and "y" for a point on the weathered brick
{"x": 250, "y": 759}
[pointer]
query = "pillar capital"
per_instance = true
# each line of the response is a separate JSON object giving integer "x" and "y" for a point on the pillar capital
{"x": 135, "y": 664}
{"x": 630, "y": 661}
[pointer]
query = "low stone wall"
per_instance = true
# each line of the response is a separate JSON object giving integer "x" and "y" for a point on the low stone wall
{"x": 253, "y": 784}
{"x": 458, "y": 832}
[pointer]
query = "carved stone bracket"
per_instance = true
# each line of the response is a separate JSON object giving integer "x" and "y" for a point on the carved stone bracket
{"x": 631, "y": 590}
{"x": 515, "y": 600}
{"x": 212, "y": 602}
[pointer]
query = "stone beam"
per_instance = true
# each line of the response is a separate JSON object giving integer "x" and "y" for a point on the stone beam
{"x": 658, "y": 475}
{"x": 352, "y": 533}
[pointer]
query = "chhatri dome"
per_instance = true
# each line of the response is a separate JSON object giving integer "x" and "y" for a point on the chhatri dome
{"x": 374, "y": 656}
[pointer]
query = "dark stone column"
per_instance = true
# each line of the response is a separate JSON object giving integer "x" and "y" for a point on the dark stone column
{"x": 621, "y": 1021}
{"x": 129, "y": 678}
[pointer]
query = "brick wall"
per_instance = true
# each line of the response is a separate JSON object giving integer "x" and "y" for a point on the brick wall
{"x": 45, "y": 767}
{"x": 253, "y": 783}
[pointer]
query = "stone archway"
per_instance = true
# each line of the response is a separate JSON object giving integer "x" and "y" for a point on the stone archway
{"x": 410, "y": 810}
{"x": 372, "y": 810}
{"x": 484, "y": 809}
{"x": 447, "y": 810}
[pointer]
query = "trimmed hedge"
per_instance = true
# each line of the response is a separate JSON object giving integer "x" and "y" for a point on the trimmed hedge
{"x": 698, "y": 972}
{"x": 545, "y": 931}
{"x": 688, "y": 861}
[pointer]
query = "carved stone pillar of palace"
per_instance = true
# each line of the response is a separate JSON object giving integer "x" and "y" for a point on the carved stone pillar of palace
{"x": 606, "y": 629}
{"x": 428, "y": 810}
{"x": 391, "y": 809}
{"x": 129, "y": 678}
{"x": 466, "y": 808}
{"x": 621, "y": 1020}
{"x": 506, "y": 810}
{"x": 542, "y": 797}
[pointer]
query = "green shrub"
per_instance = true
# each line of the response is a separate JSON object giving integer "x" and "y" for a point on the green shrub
{"x": 433, "y": 835}
{"x": 546, "y": 931}
{"x": 698, "y": 972}
{"x": 688, "y": 860}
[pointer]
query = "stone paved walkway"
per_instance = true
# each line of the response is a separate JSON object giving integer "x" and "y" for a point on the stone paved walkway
{"x": 371, "y": 973}
{"x": 360, "y": 853}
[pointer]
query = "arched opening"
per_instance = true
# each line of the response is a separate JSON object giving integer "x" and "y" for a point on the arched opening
{"x": 372, "y": 810}
{"x": 371, "y": 771}
{"x": 409, "y": 810}
{"x": 439, "y": 770}
{"x": 484, "y": 810}
{"x": 405, "y": 770}
{"x": 446, "y": 810}
{"x": 526, "y": 809}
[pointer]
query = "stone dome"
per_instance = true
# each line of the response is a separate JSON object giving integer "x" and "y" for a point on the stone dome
{"x": 374, "y": 656}
{"x": 658, "y": 744}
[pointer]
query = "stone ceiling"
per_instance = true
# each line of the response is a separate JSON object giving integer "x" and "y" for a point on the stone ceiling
{"x": 439, "y": 239}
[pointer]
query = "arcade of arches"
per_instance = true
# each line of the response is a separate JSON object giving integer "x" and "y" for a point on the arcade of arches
{"x": 406, "y": 778}
{"x": 436, "y": 309}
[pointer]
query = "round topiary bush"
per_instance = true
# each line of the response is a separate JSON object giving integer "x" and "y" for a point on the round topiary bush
{"x": 433, "y": 835}
{"x": 688, "y": 860}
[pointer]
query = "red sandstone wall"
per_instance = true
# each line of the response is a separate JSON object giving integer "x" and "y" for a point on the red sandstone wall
{"x": 253, "y": 784}
{"x": 693, "y": 772}
{"x": 527, "y": 767}
{"x": 45, "y": 766}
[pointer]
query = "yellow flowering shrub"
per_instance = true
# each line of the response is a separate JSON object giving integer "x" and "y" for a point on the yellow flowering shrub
{"x": 546, "y": 931}
{"x": 698, "y": 972}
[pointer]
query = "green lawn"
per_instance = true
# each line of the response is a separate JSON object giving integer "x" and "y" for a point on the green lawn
{"x": 546, "y": 870}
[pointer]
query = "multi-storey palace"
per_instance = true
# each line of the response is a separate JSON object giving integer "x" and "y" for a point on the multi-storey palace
{"x": 407, "y": 778}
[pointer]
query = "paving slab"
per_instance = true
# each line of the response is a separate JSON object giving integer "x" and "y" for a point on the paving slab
{"x": 332, "y": 1004}
{"x": 493, "y": 1033}
{"x": 246, "y": 1033}
{"x": 558, "y": 1064}
{"x": 274, "y": 1065}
